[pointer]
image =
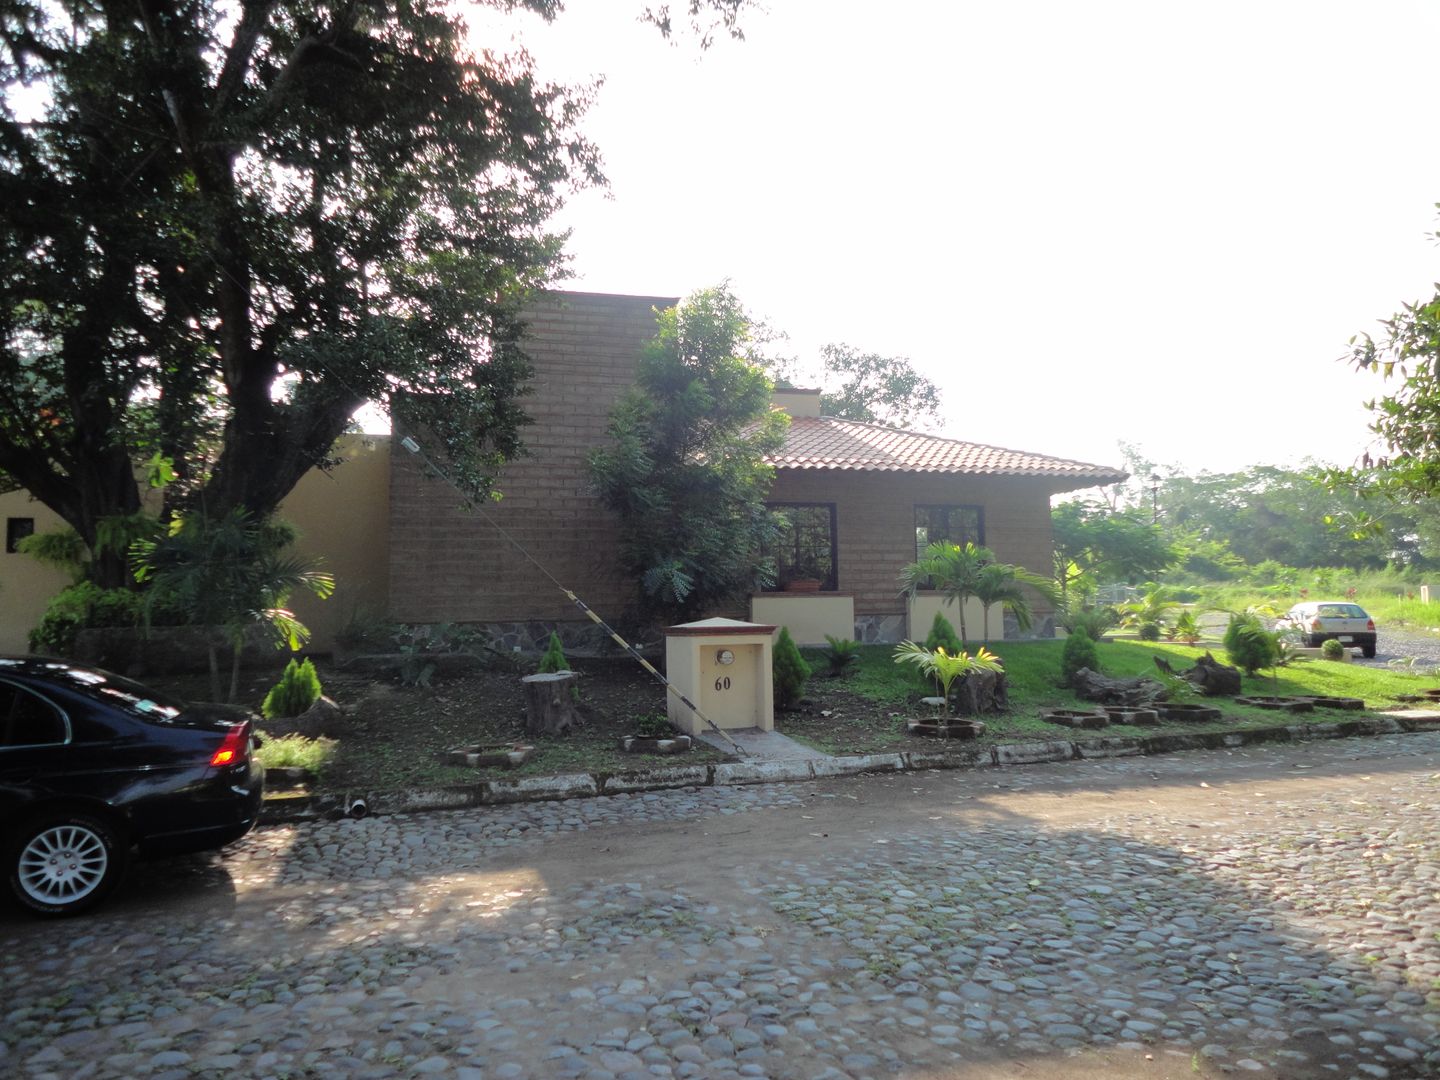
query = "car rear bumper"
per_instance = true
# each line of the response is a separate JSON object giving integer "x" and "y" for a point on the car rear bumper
{"x": 1347, "y": 637}
{"x": 229, "y": 811}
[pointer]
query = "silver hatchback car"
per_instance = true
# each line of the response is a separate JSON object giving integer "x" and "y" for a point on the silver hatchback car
{"x": 1323, "y": 620}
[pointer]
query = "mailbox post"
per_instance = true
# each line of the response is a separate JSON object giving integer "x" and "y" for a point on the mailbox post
{"x": 723, "y": 666}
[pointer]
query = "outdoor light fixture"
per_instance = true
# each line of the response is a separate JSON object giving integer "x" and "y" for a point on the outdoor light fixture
{"x": 410, "y": 444}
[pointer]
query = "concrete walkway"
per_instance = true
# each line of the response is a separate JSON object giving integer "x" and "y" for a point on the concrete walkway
{"x": 764, "y": 745}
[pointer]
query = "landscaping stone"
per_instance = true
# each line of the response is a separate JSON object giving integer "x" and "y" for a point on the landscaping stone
{"x": 1188, "y": 712}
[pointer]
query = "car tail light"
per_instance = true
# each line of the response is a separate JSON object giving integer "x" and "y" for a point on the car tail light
{"x": 234, "y": 748}
{"x": 1369, "y": 624}
{"x": 1315, "y": 624}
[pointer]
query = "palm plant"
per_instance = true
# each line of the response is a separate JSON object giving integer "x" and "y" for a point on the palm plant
{"x": 1003, "y": 584}
{"x": 1187, "y": 627}
{"x": 1154, "y": 606}
{"x": 229, "y": 572}
{"x": 950, "y": 569}
{"x": 944, "y": 667}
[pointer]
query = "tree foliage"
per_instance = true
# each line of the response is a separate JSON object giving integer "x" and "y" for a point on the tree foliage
{"x": 223, "y": 227}
{"x": 1111, "y": 545}
{"x": 878, "y": 389}
{"x": 685, "y": 472}
{"x": 789, "y": 671}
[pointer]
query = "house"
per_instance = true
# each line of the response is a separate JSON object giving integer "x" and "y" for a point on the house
{"x": 861, "y": 500}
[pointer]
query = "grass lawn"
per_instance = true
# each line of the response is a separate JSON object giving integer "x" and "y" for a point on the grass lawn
{"x": 867, "y": 709}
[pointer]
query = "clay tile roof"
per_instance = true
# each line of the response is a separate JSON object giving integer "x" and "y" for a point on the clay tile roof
{"x": 826, "y": 442}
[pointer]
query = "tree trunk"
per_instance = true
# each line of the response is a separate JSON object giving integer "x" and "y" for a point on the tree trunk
{"x": 551, "y": 707}
{"x": 236, "y": 648}
{"x": 214, "y": 658}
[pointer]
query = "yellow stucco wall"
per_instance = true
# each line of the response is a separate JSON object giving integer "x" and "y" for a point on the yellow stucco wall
{"x": 808, "y": 617}
{"x": 735, "y": 695}
{"x": 923, "y": 606}
{"x": 26, "y": 586}
{"x": 343, "y": 518}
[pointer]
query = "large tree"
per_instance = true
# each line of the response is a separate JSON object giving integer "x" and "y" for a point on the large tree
{"x": 685, "y": 470}
{"x": 1109, "y": 545}
{"x": 225, "y": 226}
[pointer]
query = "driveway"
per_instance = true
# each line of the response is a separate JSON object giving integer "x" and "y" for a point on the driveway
{"x": 1271, "y": 910}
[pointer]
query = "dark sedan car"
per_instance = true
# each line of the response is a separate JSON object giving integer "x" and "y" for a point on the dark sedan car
{"x": 95, "y": 767}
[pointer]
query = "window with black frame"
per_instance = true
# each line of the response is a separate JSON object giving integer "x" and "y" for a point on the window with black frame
{"x": 805, "y": 550}
{"x": 960, "y": 525}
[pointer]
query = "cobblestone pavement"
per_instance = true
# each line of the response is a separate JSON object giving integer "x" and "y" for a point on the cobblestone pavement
{"x": 1272, "y": 910}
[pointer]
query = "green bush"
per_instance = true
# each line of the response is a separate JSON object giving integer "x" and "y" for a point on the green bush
{"x": 80, "y": 606}
{"x": 297, "y": 690}
{"x": 943, "y": 636}
{"x": 1095, "y": 621}
{"x": 1149, "y": 631}
{"x": 295, "y": 752}
{"x": 1330, "y": 649}
{"x": 1079, "y": 652}
{"x": 789, "y": 669}
{"x": 654, "y": 726}
{"x": 842, "y": 655}
{"x": 1248, "y": 644}
{"x": 554, "y": 658}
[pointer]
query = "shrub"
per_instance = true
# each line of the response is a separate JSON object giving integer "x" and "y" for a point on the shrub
{"x": 789, "y": 669}
{"x": 554, "y": 658}
{"x": 654, "y": 726}
{"x": 79, "y": 606}
{"x": 1079, "y": 652}
{"x": 1331, "y": 649}
{"x": 1248, "y": 644}
{"x": 943, "y": 636}
{"x": 1149, "y": 631}
{"x": 295, "y": 752}
{"x": 842, "y": 655}
{"x": 297, "y": 690}
{"x": 1096, "y": 621}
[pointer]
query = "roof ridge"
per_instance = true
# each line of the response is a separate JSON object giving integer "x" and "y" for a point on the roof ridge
{"x": 952, "y": 440}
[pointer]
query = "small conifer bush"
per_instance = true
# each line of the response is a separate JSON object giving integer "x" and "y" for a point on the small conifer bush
{"x": 789, "y": 669}
{"x": 1331, "y": 649}
{"x": 942, "y": 635}
{"x": 1079, "y": 652}
{"x": 1248, "y": 645}
{"x": 297, "y": 690}
{"x": 1149, "y": 631}
{"x": 554, "y": 658}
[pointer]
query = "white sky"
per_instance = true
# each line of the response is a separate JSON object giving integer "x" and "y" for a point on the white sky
{"x": 1086, "y": 222}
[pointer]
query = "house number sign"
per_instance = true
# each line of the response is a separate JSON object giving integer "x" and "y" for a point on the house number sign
{"x": 723, "y": 657}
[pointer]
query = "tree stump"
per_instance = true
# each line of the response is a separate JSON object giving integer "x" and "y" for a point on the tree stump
{"x": 550, "y": 705}
{"x": 981, "y": 693}
{"x": 1209, "y": 676}
{"x": 1092, "y": 686}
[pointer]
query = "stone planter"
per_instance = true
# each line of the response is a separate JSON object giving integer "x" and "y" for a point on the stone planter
{"x": 502, "y": 755}
{"x": 1076, "y": 718}
{"x": 655, "y": 744}
{"x": 1279, "y": 704}
{"x": 287, "y": 778}
{"x": 946, "y": 728}
{"x": 1124, "y": 714}
{"x": 1348, "y": 704}
{"x": 1187, "y": 713}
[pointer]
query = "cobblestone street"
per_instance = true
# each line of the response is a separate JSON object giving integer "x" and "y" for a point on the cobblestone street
{"x": 1272, "y": 910}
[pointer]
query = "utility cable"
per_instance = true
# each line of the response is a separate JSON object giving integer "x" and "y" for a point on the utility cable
{"x": 415, "y": 448}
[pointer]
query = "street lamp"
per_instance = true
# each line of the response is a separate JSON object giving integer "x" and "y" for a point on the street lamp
{"x": 1154, "y": 498}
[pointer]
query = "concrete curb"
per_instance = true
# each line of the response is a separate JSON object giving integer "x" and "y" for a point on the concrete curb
{"x": 291, "y": 808}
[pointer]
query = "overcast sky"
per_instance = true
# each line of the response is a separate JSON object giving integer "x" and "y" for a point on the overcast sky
{"x": 1086, "y": 222}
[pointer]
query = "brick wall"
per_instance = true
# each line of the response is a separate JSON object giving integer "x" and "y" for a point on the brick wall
{"x": 447, "y": 565}
{"x": 875, "y": 523}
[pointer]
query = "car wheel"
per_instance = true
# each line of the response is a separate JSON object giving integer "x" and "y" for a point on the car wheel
{"x": 63, "y": 863}
{"x": 1368, "y": 651}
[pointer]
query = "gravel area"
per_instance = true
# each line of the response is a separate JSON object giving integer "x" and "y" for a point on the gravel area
{"x": 879, "y": 927}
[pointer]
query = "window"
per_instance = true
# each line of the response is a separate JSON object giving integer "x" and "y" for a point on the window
{"x": 16, "y": 529}
{"x": 806, "y": 547}
{"x": 960, "y": 525}
{"x": 26, "y": 719}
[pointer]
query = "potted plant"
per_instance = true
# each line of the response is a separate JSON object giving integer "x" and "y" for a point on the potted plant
{"x": 654, "y": 735}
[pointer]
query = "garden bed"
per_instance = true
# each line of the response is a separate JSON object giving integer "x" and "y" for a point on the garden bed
{"x": 392, "y": 737}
